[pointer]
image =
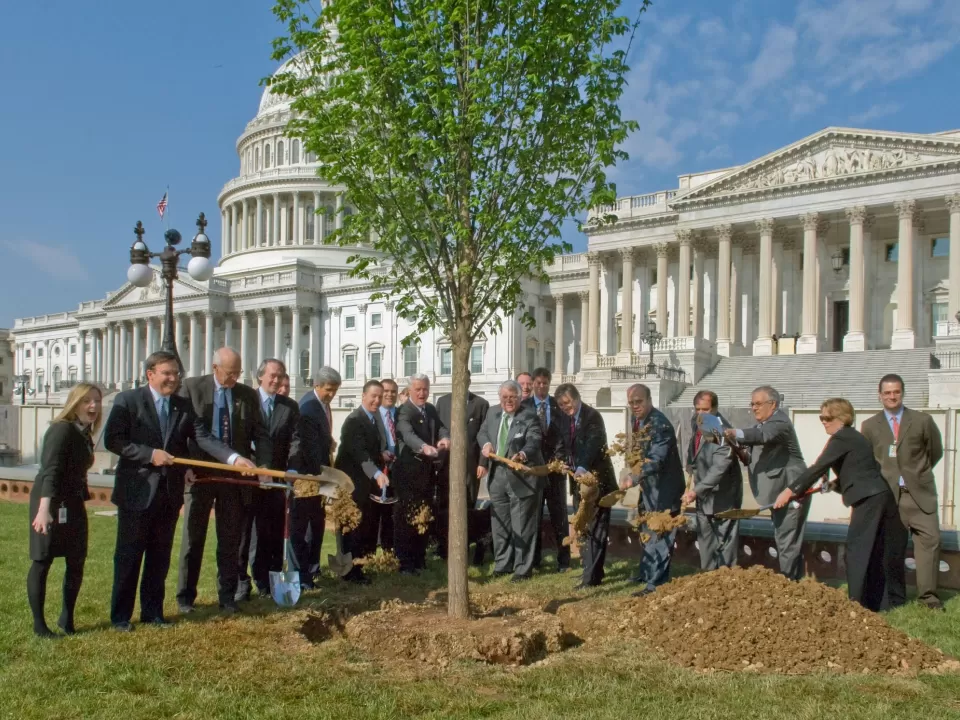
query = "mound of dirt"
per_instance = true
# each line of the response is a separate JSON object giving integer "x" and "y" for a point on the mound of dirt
{"x": 424, "y": 633}
{"x": 756, "y": 620}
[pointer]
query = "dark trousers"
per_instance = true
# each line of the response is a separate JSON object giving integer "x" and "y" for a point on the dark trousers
{"x": 362, "y": 540}
{"x": 261, "y": 541}
{"x": 383, "y": 525}
{"x": 555, "y": 498}
{"x": 925, "y": 528}
{"x": 198, "y": 502}
{"x": 307, "y": 524}
{"x": 788, "y": 525}
{"x": 409, "y": 545}
{"x": 514, "y": 523}
{"x": 873, "y": 537}
{"x": 718, "y": 541}
{"x": 37, "y": 589}
{"x": 143, "y": 537}
{"x": 593, "y": 550}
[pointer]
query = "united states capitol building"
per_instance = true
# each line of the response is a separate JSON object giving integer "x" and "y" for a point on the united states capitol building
{"x": 788, "y": 268}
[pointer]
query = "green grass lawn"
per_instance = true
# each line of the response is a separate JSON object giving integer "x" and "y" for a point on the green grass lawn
{"x": 258, "y": 665}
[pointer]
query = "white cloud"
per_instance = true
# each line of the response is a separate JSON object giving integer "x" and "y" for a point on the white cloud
{"x": 712, "y": 28}
{"x": 804, "y": 99}
{"x": 875, "y": 111}
{"x": 59, "y": 263}
{"x": 672, "y": 26}
{"x": 719, "y": 152}
{"x": 775, "y": 60}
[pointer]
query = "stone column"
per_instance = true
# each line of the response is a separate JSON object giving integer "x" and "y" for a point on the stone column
{"x": 777, "y": 283}
{"x": 295, "y": 380}
{"x": 82, "y": 354}
{"x": 208, "y": 342}
{"x": 856, "y": 339}
{"x": 390, "y": 350}
{"x": 724, "y": 336}
{"x": 682, "y": 325}
{"x": 261, "y": 336}
{"x": 244, "y": 344}
{"x": 275, "y": 240}
{"x": 809, "y": 339}
{"x": 278, "y": 334}
{"x": 244, "y": 224}
{"x": 626, "y": 310}
{"x": 584, "y": 296}
{"x": 96, "y": 375}
{"x": 231, "y": 229}
{"x": 317, "y": 220}
{"x": 904, "y": 336}
{"x": 258, "y": 231}
{"x": 194, "y": 345}
{"x": 320, "y": 224}
{"x": 699, "y": 255}
{"x": 315, "y": 343}
{"x": 338, "y": 218}
{"x": 361, "y": 362}
{"x": 953, "y": 206}
{"x": 593, "y": 320}
{"x": 228, "y": 330}
{"x": 135, "y": 351}
{"x": 122, "y": 372}
{"x": 296, "y": 220}
{"x": 763, "y": 345}
{"x": 736, "y": 288}
{"x": 663, "y": 312}
{"x": 558, "y": 365}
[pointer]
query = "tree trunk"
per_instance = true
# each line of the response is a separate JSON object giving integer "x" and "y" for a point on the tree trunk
{"x": 458, "y": 599}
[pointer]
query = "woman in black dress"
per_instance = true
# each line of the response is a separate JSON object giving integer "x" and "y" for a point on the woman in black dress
{"x": 875, "y": 529}
{"x": 59, "y": 526}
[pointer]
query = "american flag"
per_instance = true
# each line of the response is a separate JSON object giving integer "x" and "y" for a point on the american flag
{"x": 162, "y": 205}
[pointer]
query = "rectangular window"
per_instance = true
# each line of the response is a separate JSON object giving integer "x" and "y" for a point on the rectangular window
{"x": 410, "y": 357}
{"x": 940, "y": 247}
{"x": 73, "y": 349}
{"x": 531, "y": 359}
{"x": 350, "y": 322}
{"x": 28, "y": 353}
{"x": 620, "y": 279}
{"x": 653, "y": 276}
{"x": 376, "y": 319}
{"x": 548, "y": 359}
{"x": 476, "y": 359}
{"x": 938, "y": 314}
{"x": 73, "y": 375}
{"x": 548, "y": 315}
{"x": 349, "y": 367}
{"x": 845, "y": 254}
{"x": 375, "y": 364}
{"x": 532, "y": 311}
{"x": 892, "y": 252}
{"x": 446, "y": 361}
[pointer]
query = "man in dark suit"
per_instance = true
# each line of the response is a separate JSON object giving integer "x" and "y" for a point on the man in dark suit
{"x": 717, "y": 486}
{"x": 307, "y": 516}
{"x": 422, "y": 438}
{"x": 361, "y": 458}
{"x": 147, "y": 428}
{"x": 555, "y": 489}
{"x": 776, "y": 462}
{"x": 908, "y": 445}
{"x": 231, "y": 412}
{"x": 261, "y": 540}
{"x": 388, "y": 444}
{"x": 584, "y": 442}
{"x": 513, "y": 432}
{"x": 661, "y": 483}
{"x": 476, "y": 411}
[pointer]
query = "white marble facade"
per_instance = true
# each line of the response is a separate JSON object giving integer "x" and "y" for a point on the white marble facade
{"x": 725, "y": 254}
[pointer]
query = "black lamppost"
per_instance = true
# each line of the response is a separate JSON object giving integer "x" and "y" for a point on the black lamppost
{"x": 836, "y": 260}
{"x": 22, "y": 381}
{"x": 652, "y": 337}
{"x": 141, "y": 274}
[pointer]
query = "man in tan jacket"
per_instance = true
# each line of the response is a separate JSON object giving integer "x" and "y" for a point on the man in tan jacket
{"x": 907, "y": 444}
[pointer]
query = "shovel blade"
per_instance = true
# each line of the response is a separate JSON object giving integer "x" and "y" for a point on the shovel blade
{"x": 735, "y": 514}
{"x": 340, "y": 565}
{"x": 611, "y": 499}
{"x": 380, "y": 500}
{"x": 285, "y": 588}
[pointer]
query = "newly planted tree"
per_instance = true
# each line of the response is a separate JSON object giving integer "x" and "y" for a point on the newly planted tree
{"x": 465, "y": 133}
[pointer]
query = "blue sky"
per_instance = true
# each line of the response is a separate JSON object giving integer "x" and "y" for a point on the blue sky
{"x": 106, "y": 105}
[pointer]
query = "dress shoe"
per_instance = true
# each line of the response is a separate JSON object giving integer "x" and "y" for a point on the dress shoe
{"x": 229, "y": 608}
{"x": 44, "y": 632}
{"x": 519, "y": 578}
{"x": 643, "y": 593}
{"x": 184, "y": 608}
{"x": 158, "y": 622}
{"x": 123, "y": 627}
{"x": 67, "y": 627}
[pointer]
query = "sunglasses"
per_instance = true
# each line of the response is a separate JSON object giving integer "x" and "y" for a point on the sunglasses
{"x": 825, "y": 418}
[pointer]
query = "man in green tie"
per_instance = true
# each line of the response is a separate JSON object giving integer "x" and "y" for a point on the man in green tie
{"x": 513, "y": 432}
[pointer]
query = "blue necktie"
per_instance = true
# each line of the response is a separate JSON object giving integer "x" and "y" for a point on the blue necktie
{"x": 164, "y": 416}
{"x": 223, "y": 421}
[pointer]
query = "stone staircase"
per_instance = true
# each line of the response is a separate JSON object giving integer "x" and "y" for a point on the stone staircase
{"x": 806, "y": 380}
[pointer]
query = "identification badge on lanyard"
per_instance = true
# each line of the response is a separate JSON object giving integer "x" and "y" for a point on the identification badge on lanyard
{"x": 892, "y": 452}
{"x": 62, "y": 515}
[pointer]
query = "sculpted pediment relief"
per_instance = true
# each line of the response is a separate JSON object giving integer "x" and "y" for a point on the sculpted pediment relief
{"x": 154, "y": 292}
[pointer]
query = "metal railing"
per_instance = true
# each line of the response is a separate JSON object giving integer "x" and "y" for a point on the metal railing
{"x": 661, "y": 372}
{"x": 945, "y": 360}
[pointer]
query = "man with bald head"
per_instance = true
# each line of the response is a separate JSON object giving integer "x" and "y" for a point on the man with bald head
{"x": 231, "y": 412}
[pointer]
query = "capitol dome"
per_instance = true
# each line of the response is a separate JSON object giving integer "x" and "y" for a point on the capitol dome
{"x": 271, "y": 102}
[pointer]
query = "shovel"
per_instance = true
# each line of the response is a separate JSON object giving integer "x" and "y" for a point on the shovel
{"x": 745, "y": 513}
{"x": 328, "y": 483}
{"x": 383, "y": 498}
{"x": 285, "y": 585}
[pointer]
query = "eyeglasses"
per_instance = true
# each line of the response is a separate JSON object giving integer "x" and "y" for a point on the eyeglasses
{"x": 760, "y": 404}
{"x": 825, "y": 418}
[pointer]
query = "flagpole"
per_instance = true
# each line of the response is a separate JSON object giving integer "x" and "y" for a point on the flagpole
{"x": 166, "y": 214}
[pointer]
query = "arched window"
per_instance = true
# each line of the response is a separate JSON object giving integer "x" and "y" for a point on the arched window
{"x": 249, "y": 160}
{"x": 311, "y": 158}
{"x": 266, "y": 157}
{"x": 295, "y": 153}
{"x": 305, "y": 365}
{"x": 311, "y": 222}
{"x": 256, "y": 159}
{"x": 280, "y": 153}
{"x": 329, "y": 220}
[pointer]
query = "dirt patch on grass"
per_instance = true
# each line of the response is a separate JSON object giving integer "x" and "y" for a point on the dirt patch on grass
{"x": 758, "y": 621}
{"x": 321, "y": 625}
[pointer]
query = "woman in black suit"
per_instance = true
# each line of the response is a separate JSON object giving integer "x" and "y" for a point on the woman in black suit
{"x": 59, "y": 526}
{"x": 875, "y": 527}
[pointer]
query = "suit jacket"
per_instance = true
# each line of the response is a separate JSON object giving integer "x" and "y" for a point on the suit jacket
{"x": 919, "y": 449}
{"x": 551, "y": 445}
{"x": 415, "y": 473}
{"x": 850, "y": 455}
{"x": 280, "y": 440}
{"x": 64, "y": 460}
{"x": 358, "y": 454}
{"x": 717, "y": 480}
{"x": 588, "y": 446}
{"x": 133, "y": 432}
{"x": 316, "y": 436}
{"x": 779, "y": 460}
{"x": 477, "y": 408}
{"x": 661, "y": 482}
{"x": 524, "y": 436}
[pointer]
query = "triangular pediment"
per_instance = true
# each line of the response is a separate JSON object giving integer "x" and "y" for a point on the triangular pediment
{"x": 130, "y": 294}
{"x": 831, "y": 156}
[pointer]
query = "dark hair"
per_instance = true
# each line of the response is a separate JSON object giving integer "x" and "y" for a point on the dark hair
{"x": 160, "y": 357}
{"x": 520, "y": 375}
{"x": 567, "y": 389}
{"x": 714, "y": 400}
{"x": 891, "y": 377}
{"x": 371, "y": 383}
{"x": 392, "y": 382}
{"x": 263, "y": 367}
{"x": 542, "y": 372}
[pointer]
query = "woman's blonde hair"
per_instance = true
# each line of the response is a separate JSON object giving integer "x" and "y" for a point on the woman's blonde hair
{"x": 74, "y": 399}
{"x": 839, "y": 409}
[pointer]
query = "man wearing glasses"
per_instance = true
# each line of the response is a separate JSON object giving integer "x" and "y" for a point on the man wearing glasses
{"x": 776, "y": 462}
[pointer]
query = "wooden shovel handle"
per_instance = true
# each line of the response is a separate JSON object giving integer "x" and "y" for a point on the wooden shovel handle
{"x": 246, "y": 471}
